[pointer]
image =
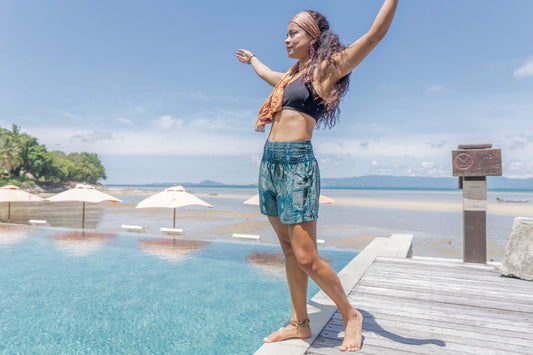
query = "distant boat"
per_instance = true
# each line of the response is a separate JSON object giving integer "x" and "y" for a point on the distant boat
{"x": 512, "y": 201}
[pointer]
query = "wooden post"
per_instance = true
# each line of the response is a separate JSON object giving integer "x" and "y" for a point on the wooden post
{"x": 472, "y": 163}
{"x": 474, "y": 220}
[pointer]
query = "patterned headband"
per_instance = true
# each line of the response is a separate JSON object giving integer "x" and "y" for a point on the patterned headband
{"x": 308, "y": 23}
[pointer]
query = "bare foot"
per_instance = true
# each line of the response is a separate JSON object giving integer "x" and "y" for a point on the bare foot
{"x": 352, "y": 337}
{"x": 289, "y": 332}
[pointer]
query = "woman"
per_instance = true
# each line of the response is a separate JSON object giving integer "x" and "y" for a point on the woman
{"x": 306, "y": 96}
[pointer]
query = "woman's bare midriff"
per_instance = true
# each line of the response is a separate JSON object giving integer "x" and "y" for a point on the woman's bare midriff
{"x": 291, "y": 125}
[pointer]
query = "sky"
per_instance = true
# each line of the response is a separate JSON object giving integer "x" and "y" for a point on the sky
{"x": 154, "y": 87}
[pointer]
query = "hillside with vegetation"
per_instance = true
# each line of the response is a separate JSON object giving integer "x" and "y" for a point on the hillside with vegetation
{"x": 25, "y": 162}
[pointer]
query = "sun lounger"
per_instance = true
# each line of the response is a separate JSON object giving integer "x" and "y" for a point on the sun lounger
{"x": 171, "y": 231}
{"x": 246, "y": 236}
{"x": 132, "y": 228}
{"x": 38, "y": 222}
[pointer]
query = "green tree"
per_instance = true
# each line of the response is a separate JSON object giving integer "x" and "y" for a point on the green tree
{"x": 42, "y": 164}
{"x": 10, "y": 149}
{"x": 87, "y": 167}
{"x": 65, "y": 165}
{"x": 26, "y": 144}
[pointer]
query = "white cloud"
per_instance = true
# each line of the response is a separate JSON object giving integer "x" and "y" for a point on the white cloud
{"x": 525, "y": 70}
{"x": 518, "y": 168}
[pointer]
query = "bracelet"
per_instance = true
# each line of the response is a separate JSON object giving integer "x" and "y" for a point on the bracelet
{"x": 250, "y": 60}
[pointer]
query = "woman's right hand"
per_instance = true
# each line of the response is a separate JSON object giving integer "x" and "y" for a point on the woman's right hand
{"x": 244, "y": 56}
{"x": 264, "y": 72}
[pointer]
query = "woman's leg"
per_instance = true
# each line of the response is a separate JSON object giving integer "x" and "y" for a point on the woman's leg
{"x": 297, "y": 280}
{"x": 303, "y": 238}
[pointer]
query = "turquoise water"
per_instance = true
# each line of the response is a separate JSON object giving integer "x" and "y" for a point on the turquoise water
{"x": 128, "y": 294}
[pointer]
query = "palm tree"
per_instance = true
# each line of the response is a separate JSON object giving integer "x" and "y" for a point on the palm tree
{"x": 10, "y": 150}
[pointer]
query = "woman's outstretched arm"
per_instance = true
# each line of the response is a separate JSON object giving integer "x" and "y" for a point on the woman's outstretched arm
{"x": 357, "y": 51}
{"x": 264, "y": 72}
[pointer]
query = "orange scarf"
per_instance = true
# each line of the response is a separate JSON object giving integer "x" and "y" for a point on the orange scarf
{"x": 274, "y": 102}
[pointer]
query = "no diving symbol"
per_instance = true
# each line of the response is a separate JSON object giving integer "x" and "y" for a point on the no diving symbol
{"x": 463, "y": 161}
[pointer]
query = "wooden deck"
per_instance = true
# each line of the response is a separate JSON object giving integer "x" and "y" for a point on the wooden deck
{"x": 436, "y": 306}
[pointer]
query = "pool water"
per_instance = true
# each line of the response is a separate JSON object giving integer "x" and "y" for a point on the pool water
{"x": 62, "y": 292}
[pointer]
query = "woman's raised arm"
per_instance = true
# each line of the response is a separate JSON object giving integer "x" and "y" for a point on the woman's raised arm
{"x": 357, "y": 51}
{"x": 264, "y": 72}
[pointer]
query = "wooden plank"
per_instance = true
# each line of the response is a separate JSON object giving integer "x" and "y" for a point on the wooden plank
{"x": 484, "y": 299}
{"x": 438, "y": 330}
{"x": 421, "y": 336}
{"x": 453, "y": 338}
{"x": 447, "y": 287}
{"x": 494, "y": 288}
{"x": 459, "y": 273}
{"x": 466, "y": 324}
{"x": 444, "y": 297}
{"x": 433, "y": 331}
{"x": 379, "y": 302}
{"x": 473, "y": 315}
{"x": 479, "y": 279}
{"x": 462, "y": 273}
{"x": 466, "y": 274}
{"x": 454, "y": 268}
{"x": 327, "y": 348}
{"x": 452, "y": 335}
{"x": 447, "y": 280}
{"x": 450, "y": 348}
{"x": 452, "y": 265}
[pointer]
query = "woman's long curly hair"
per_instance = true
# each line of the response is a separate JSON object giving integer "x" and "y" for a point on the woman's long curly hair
{"x": 325, "y": 48}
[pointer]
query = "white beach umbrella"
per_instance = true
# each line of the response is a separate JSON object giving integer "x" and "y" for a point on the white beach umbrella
{"x": 83, "y": 193}
{"x": 11, "y": 193}
{"x": 173, "y": 197}
{"x": 323, "y": 200}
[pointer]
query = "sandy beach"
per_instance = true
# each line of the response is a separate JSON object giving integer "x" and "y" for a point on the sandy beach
{"x": 352, "y": 222}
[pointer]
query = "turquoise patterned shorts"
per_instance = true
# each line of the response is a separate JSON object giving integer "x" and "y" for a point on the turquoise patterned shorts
{"x": 289, "y": 182}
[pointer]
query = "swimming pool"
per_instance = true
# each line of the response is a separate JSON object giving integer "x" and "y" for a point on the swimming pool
{"x": 111, "y": 293}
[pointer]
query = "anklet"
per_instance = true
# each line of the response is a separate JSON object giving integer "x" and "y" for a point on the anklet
{"x": 298, "y": 325}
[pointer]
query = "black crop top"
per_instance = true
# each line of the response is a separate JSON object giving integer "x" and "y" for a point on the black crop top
{"x": 299, "y": 97}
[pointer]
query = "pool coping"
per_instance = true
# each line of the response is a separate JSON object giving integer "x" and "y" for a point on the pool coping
{"x": 321, "y": 308}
